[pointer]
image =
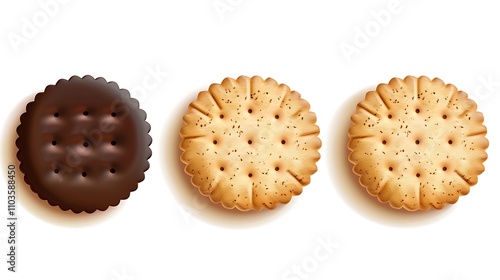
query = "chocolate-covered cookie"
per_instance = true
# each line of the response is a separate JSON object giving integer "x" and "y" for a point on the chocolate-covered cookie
{"x": 83, "y": 144}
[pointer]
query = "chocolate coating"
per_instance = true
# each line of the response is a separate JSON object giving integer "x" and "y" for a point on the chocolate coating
{"x": 83, "y": 144}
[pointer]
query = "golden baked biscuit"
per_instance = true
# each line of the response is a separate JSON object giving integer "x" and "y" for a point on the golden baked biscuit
{"x": 250, "y": 143}
{"x": 417, "y": 143}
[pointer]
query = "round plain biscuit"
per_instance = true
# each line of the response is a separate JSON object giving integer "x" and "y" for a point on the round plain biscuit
{"x": 417, "y": 143}
{"x": 83, "y": 144}
{"x": 250, "y": 143}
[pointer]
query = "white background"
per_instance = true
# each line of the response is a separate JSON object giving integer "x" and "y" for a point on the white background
{"x": 166, "y": 230}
